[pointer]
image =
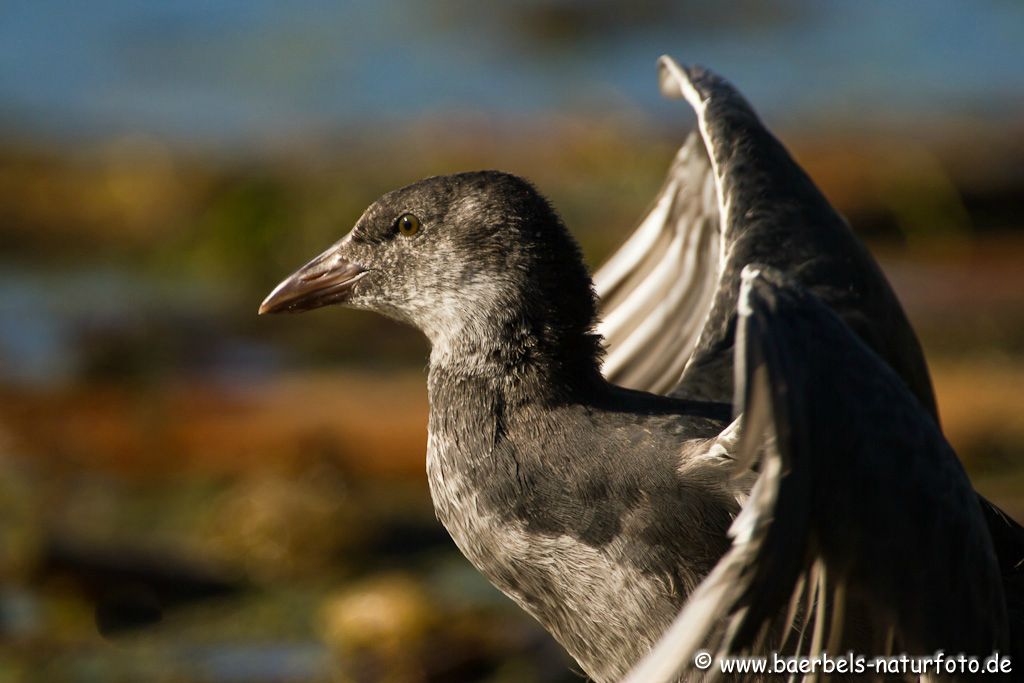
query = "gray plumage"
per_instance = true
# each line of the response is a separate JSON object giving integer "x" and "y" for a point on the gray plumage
{"x": 600, "y": 509}
{"x": 862, "y": 532}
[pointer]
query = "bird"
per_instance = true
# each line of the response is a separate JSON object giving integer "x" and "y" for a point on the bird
{"x": 735, "y": 448}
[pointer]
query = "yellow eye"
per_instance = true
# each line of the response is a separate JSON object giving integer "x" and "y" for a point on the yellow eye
{"x": 408, "y": 225}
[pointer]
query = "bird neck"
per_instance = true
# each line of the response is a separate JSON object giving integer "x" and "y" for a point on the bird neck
{"x": 516, "y": 363}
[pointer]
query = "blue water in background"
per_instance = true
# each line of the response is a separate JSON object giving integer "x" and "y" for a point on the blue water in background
{"x": 231, "y": 71}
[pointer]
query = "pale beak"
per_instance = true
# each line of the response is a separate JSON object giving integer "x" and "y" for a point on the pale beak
{"x": 325, "y": 280}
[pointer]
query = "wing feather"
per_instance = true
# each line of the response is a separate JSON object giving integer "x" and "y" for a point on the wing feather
{"x": 656, "y": 290}
{"x": 734, "y": 196}
{"x": 860, "y": 507}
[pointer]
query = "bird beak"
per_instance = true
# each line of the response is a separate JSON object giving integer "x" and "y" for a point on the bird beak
{"x": 327, "y": 279}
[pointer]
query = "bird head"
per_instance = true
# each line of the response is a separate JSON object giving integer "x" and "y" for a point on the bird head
{"x": 462, "y": 257}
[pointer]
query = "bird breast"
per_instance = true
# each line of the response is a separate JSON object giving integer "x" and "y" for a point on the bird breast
{"x": 600, "y": 607}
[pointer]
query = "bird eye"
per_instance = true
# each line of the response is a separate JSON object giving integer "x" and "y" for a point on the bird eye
{"x": 408, "y": 225}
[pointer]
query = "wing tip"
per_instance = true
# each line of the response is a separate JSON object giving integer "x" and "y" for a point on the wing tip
{"x": 692, "y": 82}
{"x": 676, "y": 81}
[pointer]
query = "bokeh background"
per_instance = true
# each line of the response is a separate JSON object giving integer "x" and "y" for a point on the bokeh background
{"x": 190, "y": 493}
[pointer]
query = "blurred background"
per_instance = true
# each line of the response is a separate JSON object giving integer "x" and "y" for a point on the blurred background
{"x": 189, "y": 493}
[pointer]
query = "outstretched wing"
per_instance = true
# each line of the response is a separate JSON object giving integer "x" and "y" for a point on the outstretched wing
{"x": 862, "y": 530}
{"x": 733, "y": 197}
{"x": 657, "y": 289}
